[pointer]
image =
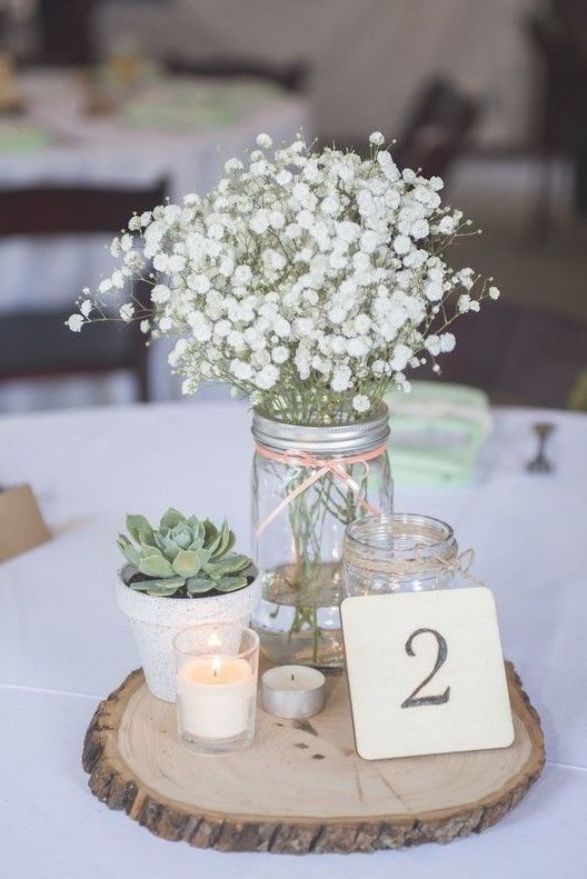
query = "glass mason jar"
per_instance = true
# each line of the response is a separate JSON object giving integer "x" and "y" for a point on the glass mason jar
{"x": 399, "y": 553}
{"x": 309, "y": 482}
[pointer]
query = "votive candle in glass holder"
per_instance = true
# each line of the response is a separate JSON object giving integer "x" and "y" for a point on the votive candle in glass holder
{"x": 217, "y": 667}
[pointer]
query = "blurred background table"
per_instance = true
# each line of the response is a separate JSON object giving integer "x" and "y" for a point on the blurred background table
{"x": 182, "y": 128}
{"x": 179, "y": 130}
{"x": 89, "y": 468}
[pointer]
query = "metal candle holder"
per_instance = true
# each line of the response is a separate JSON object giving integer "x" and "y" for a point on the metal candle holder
{"x": 294, "y": 692}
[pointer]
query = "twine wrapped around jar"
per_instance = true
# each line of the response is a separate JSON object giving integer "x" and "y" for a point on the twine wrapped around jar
{"x": 403, "y": 552}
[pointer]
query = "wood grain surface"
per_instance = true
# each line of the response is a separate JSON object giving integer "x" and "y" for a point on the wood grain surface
{"x": 301, "y": 787}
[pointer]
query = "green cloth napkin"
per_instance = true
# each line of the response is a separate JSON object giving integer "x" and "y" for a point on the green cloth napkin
{"x": 197, "y": 105}
{"x": 436, "y": 433}
{"x": 145, "y": 114}
{"x": 15, "y": 138}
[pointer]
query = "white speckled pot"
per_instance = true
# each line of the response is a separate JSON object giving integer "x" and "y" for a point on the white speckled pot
{"x": 156, "y": 621}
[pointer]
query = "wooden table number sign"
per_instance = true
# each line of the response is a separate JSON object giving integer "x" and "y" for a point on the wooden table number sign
{"x": 426, "y": 673}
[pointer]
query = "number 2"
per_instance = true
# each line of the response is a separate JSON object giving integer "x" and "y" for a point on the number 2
{"x": 413, "y": 700}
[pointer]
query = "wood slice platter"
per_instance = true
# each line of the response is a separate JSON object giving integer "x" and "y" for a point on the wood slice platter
{"x": 300, "y": 788}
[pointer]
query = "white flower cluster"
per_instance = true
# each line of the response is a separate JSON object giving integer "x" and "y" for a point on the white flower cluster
{"x": 307, "y": 280}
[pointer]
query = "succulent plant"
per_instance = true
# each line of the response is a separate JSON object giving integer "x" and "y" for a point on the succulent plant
{"x": 183, "y": 557}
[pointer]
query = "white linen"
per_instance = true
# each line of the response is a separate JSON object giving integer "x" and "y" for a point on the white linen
{"x": 108, "y": 151}
{"x": 63, "y": 644}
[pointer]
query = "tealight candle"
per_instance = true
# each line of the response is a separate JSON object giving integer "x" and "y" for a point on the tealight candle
{"x": 216, "y": 682}
{"x": 293, "y": 691}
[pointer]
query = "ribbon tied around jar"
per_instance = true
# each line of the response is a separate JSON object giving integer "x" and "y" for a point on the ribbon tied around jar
{"x": 321, "y": 466}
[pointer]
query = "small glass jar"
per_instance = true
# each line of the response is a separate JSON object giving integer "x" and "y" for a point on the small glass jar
{"x": 400, "y": 553}
{"x": 216, "y": 681}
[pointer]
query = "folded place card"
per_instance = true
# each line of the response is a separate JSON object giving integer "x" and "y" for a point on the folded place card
{"x": 426, "y": 673}
{"x": 22, "y": 526}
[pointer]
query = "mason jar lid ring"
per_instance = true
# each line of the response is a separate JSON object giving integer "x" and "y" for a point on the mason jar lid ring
{"x": 328, "y": 440}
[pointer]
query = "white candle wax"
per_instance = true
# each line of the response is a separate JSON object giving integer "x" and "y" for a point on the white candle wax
{"x": 215, "y": 696}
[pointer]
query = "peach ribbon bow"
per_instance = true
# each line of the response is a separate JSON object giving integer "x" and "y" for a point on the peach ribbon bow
{"x": 321, "y": 466}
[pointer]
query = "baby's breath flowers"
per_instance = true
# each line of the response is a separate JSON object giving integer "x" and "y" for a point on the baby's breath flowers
{"x": 310, "y": 281}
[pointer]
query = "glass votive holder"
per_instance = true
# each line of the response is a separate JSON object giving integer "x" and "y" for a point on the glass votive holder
{"x": 398, "y": 553}
{"x": 217, "y": 666}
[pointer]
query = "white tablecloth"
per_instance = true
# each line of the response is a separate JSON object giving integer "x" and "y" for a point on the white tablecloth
{"x": 131, "y": 149}
{"x": 63, "y": 643}
{"x": 111, "y": 151}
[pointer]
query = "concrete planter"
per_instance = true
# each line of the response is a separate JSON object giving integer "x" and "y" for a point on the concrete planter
{"x": 156, "y": 621}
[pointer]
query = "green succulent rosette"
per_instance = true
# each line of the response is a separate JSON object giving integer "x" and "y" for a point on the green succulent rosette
{"x": 182, "y": 557}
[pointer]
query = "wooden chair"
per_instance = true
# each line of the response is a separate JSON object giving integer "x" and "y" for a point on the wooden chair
{"x": 437, "y": 129}
{"x": 558, "y": 35}
{"x": 290, "y": 77}
{"x": 36, "y": 344}
{"x": 66, "y": 32}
